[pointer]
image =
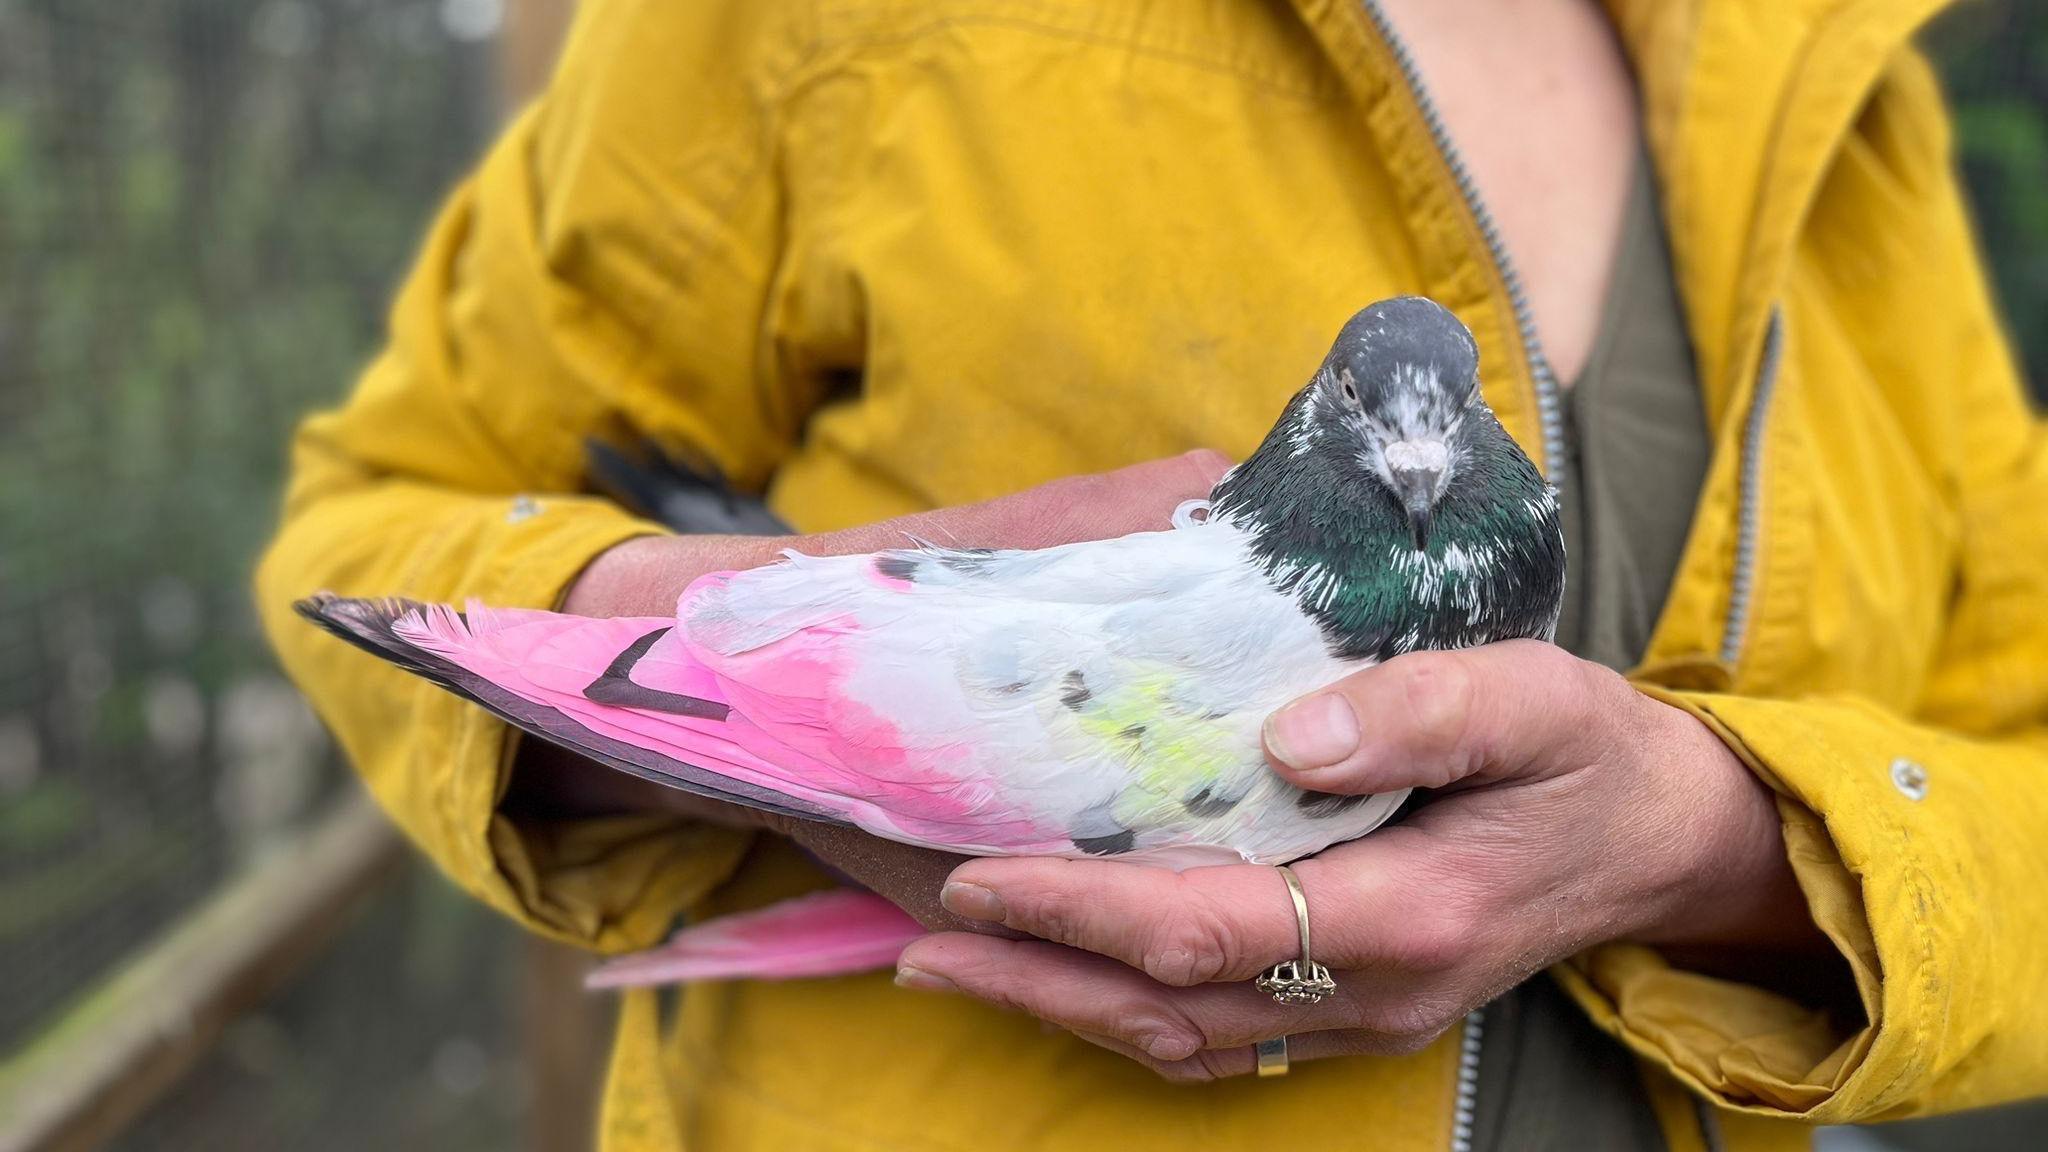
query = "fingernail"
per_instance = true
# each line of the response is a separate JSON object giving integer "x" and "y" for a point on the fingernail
{"x": 1167, "y": 1046}
{"x": 971, "y": 900}
{"x": 1313, "y": 733}
{"x": 923, "y": 981}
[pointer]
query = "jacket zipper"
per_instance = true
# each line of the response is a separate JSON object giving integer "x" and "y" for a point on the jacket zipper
{"x": 1465, "y": 1104}
{"x": 1549, "y": 411}
{"x": 1748, "y": 524}
{"x": 1550, "y": 418}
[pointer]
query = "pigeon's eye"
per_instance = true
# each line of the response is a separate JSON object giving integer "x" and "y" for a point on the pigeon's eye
{"x": 1350, "y": 392}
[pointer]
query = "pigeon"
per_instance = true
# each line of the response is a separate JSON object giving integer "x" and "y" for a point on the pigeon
{"x": 1100, "y": 699}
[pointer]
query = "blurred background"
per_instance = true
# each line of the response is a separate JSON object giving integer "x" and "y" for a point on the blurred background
{"x": 207, "y": 940}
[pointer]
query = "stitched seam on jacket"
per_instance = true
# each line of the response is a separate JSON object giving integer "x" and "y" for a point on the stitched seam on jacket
{"x": 1844, "y": 24}
{"x": 1859, "y": 21}
{"x": 1911, "y": 1064}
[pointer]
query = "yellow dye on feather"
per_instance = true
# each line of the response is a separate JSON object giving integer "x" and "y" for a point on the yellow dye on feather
{"x": 1174, "y": 753}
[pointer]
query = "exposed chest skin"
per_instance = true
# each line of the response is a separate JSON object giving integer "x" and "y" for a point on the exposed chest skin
{"x": 1538, "y": 96}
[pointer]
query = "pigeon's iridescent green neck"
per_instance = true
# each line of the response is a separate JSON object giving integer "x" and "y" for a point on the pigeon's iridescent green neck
{"x": 1330, "y": 533}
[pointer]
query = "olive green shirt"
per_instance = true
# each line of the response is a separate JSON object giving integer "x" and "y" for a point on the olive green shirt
{"x": 1636, "y": 456}
{"x": 1636, "y": 449}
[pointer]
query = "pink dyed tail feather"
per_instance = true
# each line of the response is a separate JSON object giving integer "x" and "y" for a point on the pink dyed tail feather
{"x": 831, "y": 933}
{"x": 637, "y": 693}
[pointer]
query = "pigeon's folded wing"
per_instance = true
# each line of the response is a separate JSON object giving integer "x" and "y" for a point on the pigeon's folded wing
{"x": 1101, "y": 697}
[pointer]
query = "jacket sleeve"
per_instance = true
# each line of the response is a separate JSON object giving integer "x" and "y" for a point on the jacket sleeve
{"x": 1921, "y": 839}
{"x": 602, "y": 274}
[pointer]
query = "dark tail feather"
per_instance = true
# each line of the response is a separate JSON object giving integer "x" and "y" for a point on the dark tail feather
{"x": 689, "y": 496}
{"x": 367, "y": 625}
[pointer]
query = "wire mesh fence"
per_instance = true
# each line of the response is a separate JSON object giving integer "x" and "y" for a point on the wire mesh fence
{"x": 399, "y": 1037}
{"x": 203, "y": 208}
{"x": 204, "y": 205}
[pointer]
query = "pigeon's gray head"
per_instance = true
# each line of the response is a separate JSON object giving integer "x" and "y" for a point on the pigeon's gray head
{"x": 1393, "y": 394}
{"x": 1392, "y": 504}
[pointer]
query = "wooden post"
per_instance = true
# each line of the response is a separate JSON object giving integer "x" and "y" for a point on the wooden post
{"x": 564, "y": 1031}
{"x": 527, "y": 46}
{"x": 564, "y": 1036}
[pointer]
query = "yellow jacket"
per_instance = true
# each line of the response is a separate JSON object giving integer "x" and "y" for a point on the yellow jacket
{"x": 881, "y": 255}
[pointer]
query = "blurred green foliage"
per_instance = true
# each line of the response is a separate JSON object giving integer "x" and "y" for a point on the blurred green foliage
{"x": 1994, "y": 60}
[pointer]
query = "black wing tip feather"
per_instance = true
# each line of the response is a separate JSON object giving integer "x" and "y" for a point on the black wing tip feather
{"x": 358, "y": 620}
{"x": 367, "y": 623}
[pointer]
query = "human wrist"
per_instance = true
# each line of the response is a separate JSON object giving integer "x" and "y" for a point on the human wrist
{"x": 643, "y": 576}
{"x": 1731, "y": 886}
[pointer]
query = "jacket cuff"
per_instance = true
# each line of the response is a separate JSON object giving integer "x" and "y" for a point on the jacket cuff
{"x": 1843, "y": 774}
{"x": 610, "y": 884}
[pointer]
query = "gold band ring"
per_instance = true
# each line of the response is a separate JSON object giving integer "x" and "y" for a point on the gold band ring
{"x": 1272, "y": 1056}
{"x": 1301, "y": 980}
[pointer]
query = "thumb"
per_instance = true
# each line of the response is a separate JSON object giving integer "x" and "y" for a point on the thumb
{"x": 1521, "y": 708}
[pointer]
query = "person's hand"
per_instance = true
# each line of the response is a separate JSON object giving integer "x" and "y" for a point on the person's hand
{"x": 643, "y": 577}
{"x": 1570, "y": 810}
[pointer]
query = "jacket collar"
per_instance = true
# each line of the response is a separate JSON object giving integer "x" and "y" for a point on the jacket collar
{"x": 1744, "y": 103}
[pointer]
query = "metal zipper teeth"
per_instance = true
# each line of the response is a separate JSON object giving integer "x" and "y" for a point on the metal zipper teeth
{"x": 1549, "y": 410}
{"x": 1465, "y": 1105}
{"x": 1742, "y": 588}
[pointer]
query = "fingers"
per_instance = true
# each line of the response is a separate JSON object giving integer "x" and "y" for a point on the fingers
{"x": 1184, "y": 1033}
{"x": 1204, "y": 467}
{"x": 907, "y": 876}
{"x": 1226, "y": 923}
{"x": 643, "y": 576}
{"x": 1417, "y": 923}
{"x": 1432, "y": 719}
{"x": 1138, "y": 498}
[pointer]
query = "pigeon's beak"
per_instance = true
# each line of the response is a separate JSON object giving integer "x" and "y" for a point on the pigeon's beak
{"x": 1418, "y": 521}
{"x": 1417, "y": 469}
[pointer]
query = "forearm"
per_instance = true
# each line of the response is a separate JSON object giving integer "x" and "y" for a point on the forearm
{"x": 644, "y": 576}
